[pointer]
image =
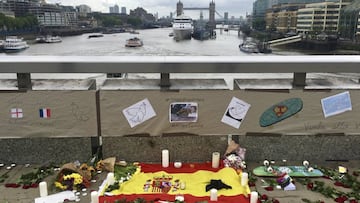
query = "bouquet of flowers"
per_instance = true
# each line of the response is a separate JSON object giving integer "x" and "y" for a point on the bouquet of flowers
{"x": 71, "y": 177}
{"x": 73, "y": 181}
{"x": 234, "y": 161}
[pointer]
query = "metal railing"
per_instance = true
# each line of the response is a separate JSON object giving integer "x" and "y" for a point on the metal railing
{"x": 165, "y": 65}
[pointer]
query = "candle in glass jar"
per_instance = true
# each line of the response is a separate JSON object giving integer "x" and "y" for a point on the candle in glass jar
{"x": 94, "y": 197}
{"x": 43, "y": 189}
{"x": 254, "y": 197}
{"x": 215, "y": 159}
{"x": 110, "y": 178}
{"x": 244, "y": 179}
{"x": 165, "y": 158}
{"x": 213, "y": 195}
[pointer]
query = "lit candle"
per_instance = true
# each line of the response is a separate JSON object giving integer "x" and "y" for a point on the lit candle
{"x": 165, "y": 158}
{"x": 244, "y": 178}
{"x": 254, "y": 197}
{"x": 110, "y": 178}
{"x": 94, "y": 197}
{"x": 215, "y": 159}
{"x": 213, "y": 195}
{"x": 43, "y": 189}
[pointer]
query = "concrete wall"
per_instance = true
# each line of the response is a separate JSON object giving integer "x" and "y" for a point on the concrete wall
{"x": 79, "y": 118}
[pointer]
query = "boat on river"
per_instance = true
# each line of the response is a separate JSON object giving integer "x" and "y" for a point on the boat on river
{"x": 48, "y": 39}
{"x": 249, "y": 47}
{"x": 14, "y": 44}
{"x": 95, "y": 36}
{"x": 182, "y": 27}
{"x": 134, "y": 42}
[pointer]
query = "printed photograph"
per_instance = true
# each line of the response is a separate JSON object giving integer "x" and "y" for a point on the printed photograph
{"x": 183, "y": 112}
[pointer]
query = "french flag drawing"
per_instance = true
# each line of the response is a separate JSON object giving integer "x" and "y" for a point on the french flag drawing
{"x": 44, "y": 113}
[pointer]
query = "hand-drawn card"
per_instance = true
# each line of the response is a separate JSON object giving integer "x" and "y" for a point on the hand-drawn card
{"x": 183, "y": 112}
{"x": 336, "y": 104}
{"x": 139, "y": 113}
{"x": 235, "y": 112}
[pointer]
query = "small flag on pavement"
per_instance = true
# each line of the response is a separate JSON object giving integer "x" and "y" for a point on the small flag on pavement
{"x": 16, "y": 113}
{"x": 44, "y": 113}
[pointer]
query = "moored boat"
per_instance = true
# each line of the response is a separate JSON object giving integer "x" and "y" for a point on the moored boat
{"x": 14, "y": 44}
{"x": 182, "y": 27}
{"x": 249, "y": 47}
{"x": 95, "y": 36}
{"x": 134, "y": 42}
{"x": 48, "y": 39}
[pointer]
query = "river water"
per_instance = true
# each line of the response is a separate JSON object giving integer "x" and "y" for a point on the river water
{"x": 156, "y": 43}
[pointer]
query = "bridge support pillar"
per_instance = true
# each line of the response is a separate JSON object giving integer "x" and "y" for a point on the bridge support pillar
{"x": 165, "y": 81}
{"x": 299, "y": 80}
{"x": 24, "y": 81}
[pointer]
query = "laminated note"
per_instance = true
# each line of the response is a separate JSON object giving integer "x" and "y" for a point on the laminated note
{"x": 139, "y": 113}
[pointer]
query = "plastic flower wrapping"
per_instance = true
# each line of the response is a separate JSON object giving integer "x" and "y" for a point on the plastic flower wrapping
{"x": 234, "y": 161}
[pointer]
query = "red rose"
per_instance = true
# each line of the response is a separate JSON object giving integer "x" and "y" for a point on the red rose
{"x": 275, "y": 201}
{"x": 251, "y": 184}
{"x": 341, "y": 199}
{"x": 337, "y": 183}
{"x": 310, "y": 186}
{"x": 25, "y": 187}
{"x": 353, "y": 201}
{"x": 264, "y": 197}
{"x": 269, "y": 188}
{"x": 34, "y": 185}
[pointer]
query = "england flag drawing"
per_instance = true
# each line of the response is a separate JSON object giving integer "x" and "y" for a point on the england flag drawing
{"x": 16, "y": 113}
{"x": 44, "y": 113}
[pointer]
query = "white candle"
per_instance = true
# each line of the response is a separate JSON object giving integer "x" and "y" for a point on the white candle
{"x": 94, "y": 197}
{"x": 254, "y": 197}
{"x": 110, "y": 178}
{"x": 43, "y": 189}
{"x": 215, "y": 159}
{"x": 213, "y": 195}
{"x": 177, "y": 164}
{"x": 165, "y": 158}
{"x": 244, "y": 178}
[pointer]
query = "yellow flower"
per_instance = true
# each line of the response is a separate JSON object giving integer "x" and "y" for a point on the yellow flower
{"x": 59, "y": 185}
{"x": 78, "y": 179}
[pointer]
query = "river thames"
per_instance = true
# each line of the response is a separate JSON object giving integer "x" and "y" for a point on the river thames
{"x": 156, "y": 43}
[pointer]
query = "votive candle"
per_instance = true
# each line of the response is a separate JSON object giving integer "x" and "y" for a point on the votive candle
{"x": 213, "y": 195}
{"x": 165, "y": 158}
{"x": 254, "y": 196}
{"x": 244, "y": 179}
{"x": 94, "y": 197}
{"x": 215, "y": 159}
{"x": 43, "y": 189}
{"x": 110, "y": 178}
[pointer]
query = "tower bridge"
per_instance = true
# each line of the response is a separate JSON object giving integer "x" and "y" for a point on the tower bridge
{"x": 212, "y": 23}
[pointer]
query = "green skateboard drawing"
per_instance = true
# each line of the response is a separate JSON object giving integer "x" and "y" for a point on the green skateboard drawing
{"x": 293, "y": 171}
{"x": 280, "y": 111}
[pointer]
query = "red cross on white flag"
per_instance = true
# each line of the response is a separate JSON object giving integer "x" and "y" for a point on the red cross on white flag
{"x": 16, "y": 113}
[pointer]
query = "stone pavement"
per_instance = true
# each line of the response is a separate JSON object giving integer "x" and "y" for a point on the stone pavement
{"x": 19, "y": 195}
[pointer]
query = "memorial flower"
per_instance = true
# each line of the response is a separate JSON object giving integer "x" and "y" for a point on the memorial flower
{"x": 73, "y": 181}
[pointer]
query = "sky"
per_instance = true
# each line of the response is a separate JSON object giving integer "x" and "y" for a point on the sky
{"x": 235, "y": 8}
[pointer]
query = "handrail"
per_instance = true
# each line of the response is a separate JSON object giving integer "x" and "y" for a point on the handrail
{"x": 179, "y": 64}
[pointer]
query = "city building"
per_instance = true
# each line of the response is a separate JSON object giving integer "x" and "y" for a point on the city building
{"x": 114, "y": 9}
{"x": 18, "y": 7}
{"x": 49, "y": 15}
{"x": 83, "y": 10}
{"x": 349, "y": 25}
{"x": 123, "y": 10}
{"x": 282, "y": 17}
{"x": 321, "y": 17}
{"x": 226, "y": 16}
